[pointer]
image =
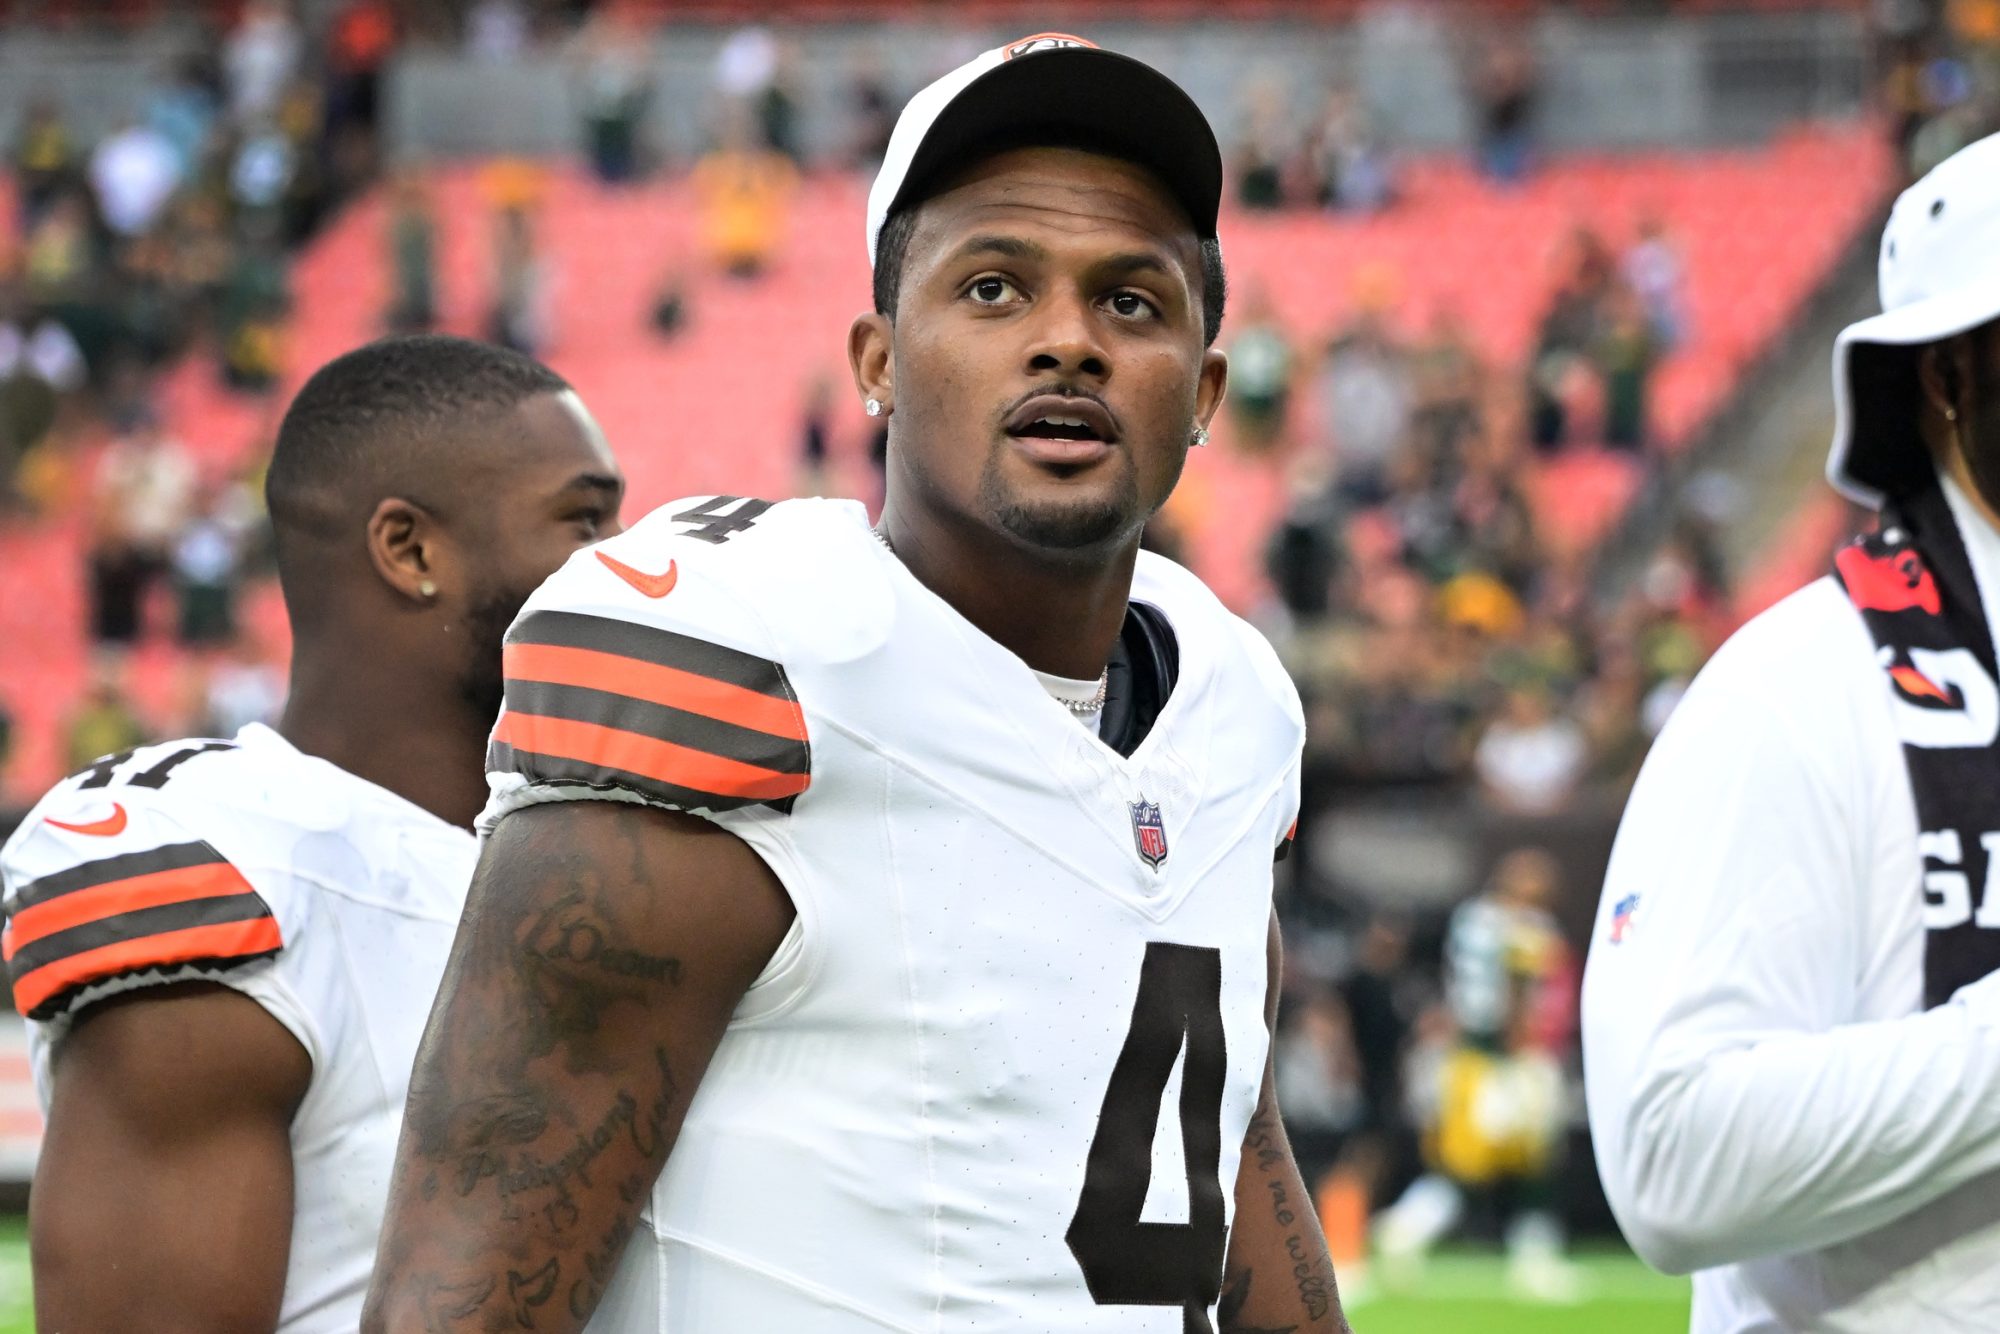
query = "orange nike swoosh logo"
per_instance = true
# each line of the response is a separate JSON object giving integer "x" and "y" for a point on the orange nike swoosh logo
{"x": 110, "y": 826}
{"x": 1916, "y": 683}
{"x": 652, "y": 585}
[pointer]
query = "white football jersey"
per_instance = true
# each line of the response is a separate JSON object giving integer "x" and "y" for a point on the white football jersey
{"x": 328, "y": 900}
{"x": 998, "y": 1075}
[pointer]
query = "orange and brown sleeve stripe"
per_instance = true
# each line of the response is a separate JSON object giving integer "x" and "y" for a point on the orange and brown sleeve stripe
{"x": 600, "y": 702}
{"x": 177, "y": 906}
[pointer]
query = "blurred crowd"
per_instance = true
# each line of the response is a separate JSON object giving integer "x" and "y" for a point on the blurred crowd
{"x": 1337, "y": 160}
{"x": 1450, "y": 643}
{"x": 170, "y": 231}
{"x": 1438, "y": 633}
{"x": 1446, "y": 643}
{"x": 1939, "y": 73}
{"x": 1442, "y": 636}
{"x": 166, "y": 237}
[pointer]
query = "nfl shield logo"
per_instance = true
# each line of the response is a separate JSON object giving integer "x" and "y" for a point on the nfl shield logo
{"x": 1148, "y": 832}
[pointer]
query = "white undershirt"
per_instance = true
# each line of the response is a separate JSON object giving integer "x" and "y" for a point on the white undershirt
{"x": 1067, "y": 692}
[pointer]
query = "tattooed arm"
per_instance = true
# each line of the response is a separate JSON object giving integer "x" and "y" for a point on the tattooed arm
{"x": 1277, "y": 1278}
{"x": 603, "y": 949}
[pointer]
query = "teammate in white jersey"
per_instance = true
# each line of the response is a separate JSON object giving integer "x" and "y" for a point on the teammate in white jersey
{"x": 1791, "y": 1013}
{"x": 874, "y": 931}
{"x": 225, "y": 948}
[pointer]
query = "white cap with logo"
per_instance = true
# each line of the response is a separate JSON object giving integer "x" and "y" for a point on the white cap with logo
{"x": 1940, "y": 276}
{"x": 1059, "y": 89}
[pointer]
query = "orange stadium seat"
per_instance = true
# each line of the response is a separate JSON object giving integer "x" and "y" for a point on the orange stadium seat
{"x": 718, "y": 408}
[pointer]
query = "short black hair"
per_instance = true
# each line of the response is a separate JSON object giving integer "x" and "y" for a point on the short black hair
{"x": 362, "y": 426}
{"x": 892, "y": 248}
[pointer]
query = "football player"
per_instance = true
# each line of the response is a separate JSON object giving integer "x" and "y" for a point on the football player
{"x": 1510, "y": 985}
{"x": 225, "y": 948}
{"x": 875, "y": 926}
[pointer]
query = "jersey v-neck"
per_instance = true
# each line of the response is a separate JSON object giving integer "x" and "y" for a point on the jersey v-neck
{"x": 1145, "y": 664}
{"x": 1145, "y": 659}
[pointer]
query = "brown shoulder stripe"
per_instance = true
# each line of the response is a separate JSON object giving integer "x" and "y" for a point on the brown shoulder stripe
{"x": 683, "y": 722}
{"x": 676, "y": 719}
{"x": 104, "y": 919}
{"x": 171, "y": 857}
{"x": 650, "y": 644}
{"x": 558, "y": 772}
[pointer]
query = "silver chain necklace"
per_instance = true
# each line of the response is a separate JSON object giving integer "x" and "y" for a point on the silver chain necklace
{"x": 1082, "y": 708}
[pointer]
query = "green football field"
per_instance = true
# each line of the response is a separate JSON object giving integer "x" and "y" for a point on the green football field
{"x": 1467, "y": 1294}
{"x": 1458, "y": 1294}
{"x": 16, "y": 1314}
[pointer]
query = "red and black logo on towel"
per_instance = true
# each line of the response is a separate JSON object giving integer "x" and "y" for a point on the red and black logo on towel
{"x": 1891, "y": 579}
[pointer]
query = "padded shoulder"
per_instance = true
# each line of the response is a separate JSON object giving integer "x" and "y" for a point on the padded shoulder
{"x": 788, "y": 580}
{"x": 1244, "y": 655}
{"x": 1802, "y": 660}
{"x": 653, "y": 666}
{"x": 116, "y": 880}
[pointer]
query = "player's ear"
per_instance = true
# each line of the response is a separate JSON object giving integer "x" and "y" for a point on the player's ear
{"x": 1943, "y": 372}
{"x": 404, "y": 546}
{"x": 871, "y": 356}
{"x": 1214, "y": 381}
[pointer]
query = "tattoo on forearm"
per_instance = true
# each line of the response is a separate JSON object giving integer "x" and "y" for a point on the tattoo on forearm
{"x": 575, "y": 977}
{"x": 600, "y": 1262}
{"x": 1311, "y": 1271}
{"x": 529, "y": 1147}
{"x": 482, "y": 1150}
{"x": 1229, "y": 1311}
{"x": 528, "y": 1291}
{"x": 444, "y": 1305}
{"x": 527, "y": 1181}
{"x": 571, "y": 934}
{"x": 481, "y": 1131}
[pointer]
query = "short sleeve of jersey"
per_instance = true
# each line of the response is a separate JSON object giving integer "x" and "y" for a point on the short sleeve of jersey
{"x": 1277, "y": 684}
{"x": 105, "y": 893}
{"x": 639, "y": 672}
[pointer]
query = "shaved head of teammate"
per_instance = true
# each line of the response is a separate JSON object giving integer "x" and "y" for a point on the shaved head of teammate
{"x": 225, "y": 947}
{"x": 420, "y": 490}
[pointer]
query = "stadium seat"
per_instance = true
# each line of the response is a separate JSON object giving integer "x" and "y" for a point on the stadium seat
{"x": 718, "y": 407}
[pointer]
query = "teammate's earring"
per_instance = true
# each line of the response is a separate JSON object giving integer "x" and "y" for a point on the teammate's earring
{"x": 1199, "y": 438}
{"x": 428, "y": 589}
{"x": 1951, "y": 415}
{"x": 873, "y": 407}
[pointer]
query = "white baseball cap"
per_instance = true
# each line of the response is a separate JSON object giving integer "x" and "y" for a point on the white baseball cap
{"x": 1940, "y": 276}
{"x": 1068, "y": 88}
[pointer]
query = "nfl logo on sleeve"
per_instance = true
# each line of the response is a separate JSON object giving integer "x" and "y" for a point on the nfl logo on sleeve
{"x": 1148, "y": 832}
{"x": 1623, "y": 913}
